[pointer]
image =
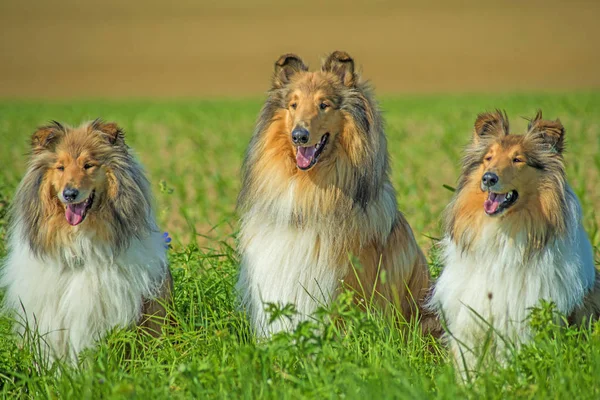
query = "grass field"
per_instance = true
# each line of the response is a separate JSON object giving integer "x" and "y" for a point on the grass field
{"x": 192, "y": 151}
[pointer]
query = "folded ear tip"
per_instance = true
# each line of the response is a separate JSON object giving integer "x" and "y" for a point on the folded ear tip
{"x": 101, "y": 125}
{"x": 337, "y": 56}
{"x": 538, "y": 123}
{"x": 340, "y": 63}
{"x": 282, "y": 60}
{"x": 492, "y": 123}
{"x": 45, "y": 135}
{"x": 287, "y": 65}
{"x": 286, "y": 59}
{"x": 341, "y": 56}
{"x": 111, "y": 129}
{"x": 488, "y": 117}
{"x": 112, "y": 126}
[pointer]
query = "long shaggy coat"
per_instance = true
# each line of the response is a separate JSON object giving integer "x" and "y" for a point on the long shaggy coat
{"x": 503, "y": 257}
{"x": 76, "y": 269}
{"x": 315, "y": 193}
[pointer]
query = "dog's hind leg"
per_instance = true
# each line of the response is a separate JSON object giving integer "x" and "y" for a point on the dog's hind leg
{"x": 154, "y": 312}
{"x": 590, "y": 309}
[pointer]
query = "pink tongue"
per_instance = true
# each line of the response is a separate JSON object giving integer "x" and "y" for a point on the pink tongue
{"x": 493, "y": 202}
{"x": 75, "y": 213}
{"x": 305, "y": 155}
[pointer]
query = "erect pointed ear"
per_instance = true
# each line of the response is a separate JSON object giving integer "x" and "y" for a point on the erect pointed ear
{"x": 286, "y": 66}
{"x": 46, "y": 137}
{"x": 490, "y": 125}
{"x": 341, "y": 64}
{"x": 109, "y": 130}
{"x": 551, "y": 132}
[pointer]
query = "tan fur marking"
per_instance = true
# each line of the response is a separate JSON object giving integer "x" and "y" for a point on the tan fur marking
{"x": 406, "y": 281}
{"x": 507, "y": 156}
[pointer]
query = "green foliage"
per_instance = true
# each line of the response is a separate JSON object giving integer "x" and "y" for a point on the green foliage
{"x": 192, "y": 151}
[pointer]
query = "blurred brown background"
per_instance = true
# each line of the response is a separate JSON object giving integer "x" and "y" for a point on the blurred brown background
{"x": 77, "y": 49}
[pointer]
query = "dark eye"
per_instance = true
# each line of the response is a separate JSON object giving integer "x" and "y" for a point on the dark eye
{"x": 293, "y": 105}
{"x": 488, "y": 158}
{"x": 323, "y": 106}
{"x": 60, "y": 168}
{"x": 517, "y": 160}
{"x": 87, "y": 166}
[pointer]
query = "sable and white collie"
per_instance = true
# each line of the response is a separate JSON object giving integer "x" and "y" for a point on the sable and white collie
{"x": 513, "y": 237}
{"x": 316, "y": 191}
{"x": 84, "y": 251}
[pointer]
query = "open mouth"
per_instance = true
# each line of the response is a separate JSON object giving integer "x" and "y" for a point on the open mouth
{"x": 306, "y": 157}
{"x": 498, "y": 202}
{"x": 76, "y": 213}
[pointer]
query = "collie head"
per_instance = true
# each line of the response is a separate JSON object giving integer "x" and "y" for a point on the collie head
{"x": 81, "y": 181}
{"x": 514, "y": 182}
{"x": 321, "y": 130}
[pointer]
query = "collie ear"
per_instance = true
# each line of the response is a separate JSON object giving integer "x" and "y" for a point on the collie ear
{"x": 490, "y": 125}
{"x": 110, "y": 131}
{"x": 286, "y": 66}
{"x": 551, "y": 132}
{"x": 45, "y": 137}
{"x": 341, "y": 64}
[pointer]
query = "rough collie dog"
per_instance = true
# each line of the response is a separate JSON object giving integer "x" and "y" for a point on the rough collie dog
{"x": 84, "y": 252}
{"x": 316, "y": 191}
{"x": 513, "y": 237}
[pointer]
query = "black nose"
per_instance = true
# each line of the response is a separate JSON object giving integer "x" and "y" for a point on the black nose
{"x": 70, "y": 194}
{"x": 300, "y": 136}
{"x": 489, "y": 179}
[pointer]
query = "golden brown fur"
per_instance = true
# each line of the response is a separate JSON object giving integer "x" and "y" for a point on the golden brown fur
{"x": 345, "y": 198}
{"x": 522, "y": 163}
{"x": 538, "y": 176}
{"x": 85, "y": 254}
{"x": 513, "y": 237}
{"x": 122, "y": 195}
{"x": 93, "y": 158}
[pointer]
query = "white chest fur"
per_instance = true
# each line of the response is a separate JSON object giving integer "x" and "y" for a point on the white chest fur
{"x": 75, "y": 299}
{"x": 282, "y": 265}
{"x": 494, "y": 280}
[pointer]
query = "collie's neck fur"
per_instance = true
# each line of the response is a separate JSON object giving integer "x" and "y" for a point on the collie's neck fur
{"x": 328, "y": 194}
{"x": 304, "y": 265}
{"x": 74, "y": 299}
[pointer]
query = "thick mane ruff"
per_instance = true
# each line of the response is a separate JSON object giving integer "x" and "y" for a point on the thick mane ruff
{"x": 84, "y": 252}
{"x": 123, "y": 211}
{"x": 310, "y": 230}
{"x": 336, "y": 188}
{"x": 542, "y": 217}
{"x": 513, "y": 238}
